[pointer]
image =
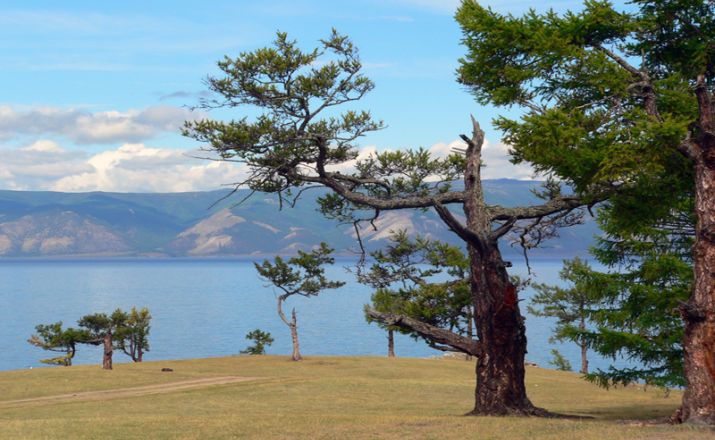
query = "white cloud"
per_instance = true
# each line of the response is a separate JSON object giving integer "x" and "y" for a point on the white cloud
{"x": 138, "y": 168}
{"x": 84, "y": 127}
{"x": 495, "y": 157}
{"x": 38, "y": 165}
{"x": 135, "y": 167}
{"x": 44, "y": 165}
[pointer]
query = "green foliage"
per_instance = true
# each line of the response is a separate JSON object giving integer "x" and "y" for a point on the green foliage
{"x": 97, "y": 325}
{"x": 303, "y": 99}
{"x": 302, "y": 275}
{"x": 559, "y": 361}
{"x": 129, "y": 331}
{"x": 424, "y": 279}
{"x": 585, "y": 121}
{"x": 260, "y": 340}
{"x": 132, "y": 336}
{"x": 53, "y": 337}
{"x": 609, "y": 102}
{"x": 570, "y": 306}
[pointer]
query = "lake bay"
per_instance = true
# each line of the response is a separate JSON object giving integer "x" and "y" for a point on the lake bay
{"x": 204, "y": 308}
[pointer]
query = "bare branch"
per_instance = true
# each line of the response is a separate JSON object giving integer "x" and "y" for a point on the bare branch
{"x": 429, "y": 332}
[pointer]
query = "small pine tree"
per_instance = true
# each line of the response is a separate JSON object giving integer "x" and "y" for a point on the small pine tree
{"x": 260, "y": 340}
{"x": 303, "y": 275}
{"x": 52, "y": 337}
{"x": 570, "y": 306}
{"x": 559, "y": 361}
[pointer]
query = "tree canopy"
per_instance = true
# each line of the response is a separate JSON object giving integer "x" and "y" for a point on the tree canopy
{"x": 621, "y": 100}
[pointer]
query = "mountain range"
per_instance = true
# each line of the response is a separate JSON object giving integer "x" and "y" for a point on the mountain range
{"x": 209, "y": 224}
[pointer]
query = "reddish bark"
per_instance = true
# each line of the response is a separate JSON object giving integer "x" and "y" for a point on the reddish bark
{"x": 699, "y": 313}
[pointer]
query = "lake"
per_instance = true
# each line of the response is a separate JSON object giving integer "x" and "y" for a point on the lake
{"x": 204, "y": 308}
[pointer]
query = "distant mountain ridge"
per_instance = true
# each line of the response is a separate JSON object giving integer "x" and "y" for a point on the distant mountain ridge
{"x": 205, "y": 224}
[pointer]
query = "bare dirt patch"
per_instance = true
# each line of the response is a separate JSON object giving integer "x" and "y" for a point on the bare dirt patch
{"x": 127, "y": 392}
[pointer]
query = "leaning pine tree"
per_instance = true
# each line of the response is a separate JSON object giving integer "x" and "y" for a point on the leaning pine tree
{"x": 616, "y": 98}
{"x": 301, "y": 136}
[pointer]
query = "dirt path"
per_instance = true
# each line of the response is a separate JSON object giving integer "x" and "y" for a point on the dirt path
{"x": 126, "y": 392}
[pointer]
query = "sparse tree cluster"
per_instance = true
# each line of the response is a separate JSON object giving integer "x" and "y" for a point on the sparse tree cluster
{"x": 125, "y": 331}
{"x": 617, "y": 106}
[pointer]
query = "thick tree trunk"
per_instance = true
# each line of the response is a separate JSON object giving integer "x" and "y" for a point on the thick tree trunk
{"x": 502, "y": 335}
{"x": 500, "y": 327}
{"x": 294, "y": 336}
{"x": 699, "y": 313}
{"x": 108, "y": 351}
{"x": 584, "y": 349}
{"x": 390, "y": 343}
{"x": 140, "y": 355}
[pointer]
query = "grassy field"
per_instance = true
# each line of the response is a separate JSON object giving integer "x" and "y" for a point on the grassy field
{"x": 321, "y": 397}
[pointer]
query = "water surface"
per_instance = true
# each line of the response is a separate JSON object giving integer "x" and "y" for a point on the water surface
{"x": 204, "y": 308}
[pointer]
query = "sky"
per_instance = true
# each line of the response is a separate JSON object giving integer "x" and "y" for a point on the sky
{"x": 95, "y": 93}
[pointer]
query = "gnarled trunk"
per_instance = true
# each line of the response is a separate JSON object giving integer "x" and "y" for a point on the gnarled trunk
{"x": 500, "y": 327}
{"x": 390, "y": 343}
{"x": 108, "y": 351}
{"x": 502, "y": 335}
{"x": 699, "y": 313}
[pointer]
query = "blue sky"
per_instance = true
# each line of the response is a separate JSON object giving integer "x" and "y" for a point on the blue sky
{"x": 94, "y": 92}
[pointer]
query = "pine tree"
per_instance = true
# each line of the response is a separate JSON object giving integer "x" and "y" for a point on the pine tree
{"x": 303, "y": 275}
{"x": 570, "y": 306}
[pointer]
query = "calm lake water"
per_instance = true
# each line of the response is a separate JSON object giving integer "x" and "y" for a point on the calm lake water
{"x": 204, "y": 308}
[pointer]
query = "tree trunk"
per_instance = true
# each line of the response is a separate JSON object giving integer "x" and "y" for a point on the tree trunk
{"x": 390, "y": 343}
{"x": 140, "y": 354}
{"x": 470, "y": 329}
{"x": 500, "y": 327}
{"x": 699, "y": 312}
{"x": 584, "y": 348}
{"x": 294, "y": 336}
{"x": 108, "y": 351}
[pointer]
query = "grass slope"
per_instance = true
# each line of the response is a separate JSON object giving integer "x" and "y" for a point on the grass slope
{"x": 321, "y": 397}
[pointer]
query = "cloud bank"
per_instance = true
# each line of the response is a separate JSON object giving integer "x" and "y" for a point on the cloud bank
{"x": 44, "y": 165}
{"x": 136, "y": 167}
{"x": 84, "y": 128}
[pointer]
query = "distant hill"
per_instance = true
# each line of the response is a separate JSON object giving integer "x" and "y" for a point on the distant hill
{"x": 203, "y": 224}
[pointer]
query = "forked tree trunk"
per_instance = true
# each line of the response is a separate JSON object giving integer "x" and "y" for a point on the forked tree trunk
{"x": 390, "y": 343}
{"x": 699, "y": 312}
{"x": 500, "y": 327}
{"x": 108, "y": 351}
{"x": 294, "y": 337}
{"x": 292, "y": 325}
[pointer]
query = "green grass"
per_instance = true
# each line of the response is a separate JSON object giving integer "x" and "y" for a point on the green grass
{"x": 321, "y": 397}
